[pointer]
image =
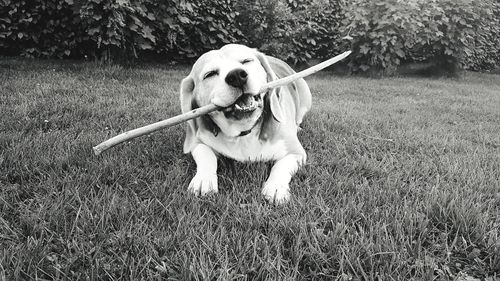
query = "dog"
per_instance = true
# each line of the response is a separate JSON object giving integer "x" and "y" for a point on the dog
{"x": 250, "y": 126}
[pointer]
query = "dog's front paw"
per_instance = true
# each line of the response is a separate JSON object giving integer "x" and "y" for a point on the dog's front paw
{"x": 276, "y": 191}
{"x": 203, "y": 184}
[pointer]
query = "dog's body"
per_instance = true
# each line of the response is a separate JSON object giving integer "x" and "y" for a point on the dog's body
{"x": 252, "y": 126}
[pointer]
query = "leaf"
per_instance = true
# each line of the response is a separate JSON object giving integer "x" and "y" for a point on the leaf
{"x": 145, "y": 46}
{"x": 400, "y": 53}
{"x": 347, "y": 37}
{"x": 93, "y": 31}
{"x": 364, "y": 49}
{"x": 169, "y": 22}
{"x": 133, "y": 27}
{"x": 123, "y": 2}
{"x": 7, "y": 20}
{"x": 136, "y": 20}
{"x": 364, "y": 67}
{"x": 147, "y": 33}
{"x": 183, "y": 19}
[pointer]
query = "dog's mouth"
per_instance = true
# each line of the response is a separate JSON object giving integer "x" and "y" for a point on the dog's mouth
{"x": 243, "y": 107}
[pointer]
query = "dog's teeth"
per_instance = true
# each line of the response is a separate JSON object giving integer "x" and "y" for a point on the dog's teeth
{"x": 238, "y": 107}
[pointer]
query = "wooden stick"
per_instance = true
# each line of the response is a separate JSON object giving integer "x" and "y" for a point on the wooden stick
{"x": 98, "y": 149}
{"x": 306, "y": 72}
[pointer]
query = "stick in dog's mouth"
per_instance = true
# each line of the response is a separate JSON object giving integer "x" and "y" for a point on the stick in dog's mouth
{"x": 245, "y": 103}
{"x": 244, "y": 106}
{"x": 212, "y": 107}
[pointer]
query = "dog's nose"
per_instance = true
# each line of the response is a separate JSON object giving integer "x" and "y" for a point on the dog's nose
{"x": 237, "y": 77}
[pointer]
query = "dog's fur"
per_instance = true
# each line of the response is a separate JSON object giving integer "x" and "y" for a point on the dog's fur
{"x": 269, "y": 132}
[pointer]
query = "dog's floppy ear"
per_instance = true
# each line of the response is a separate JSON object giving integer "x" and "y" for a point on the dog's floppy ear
{"x": 186, "y": 96}
{"x": 299, "y": 88}
{"x": 274, "y": 98}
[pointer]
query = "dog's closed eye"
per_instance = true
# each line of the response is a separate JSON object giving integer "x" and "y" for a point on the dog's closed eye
{"x": 246, "y": 61}
{"x": 210, "y": 74}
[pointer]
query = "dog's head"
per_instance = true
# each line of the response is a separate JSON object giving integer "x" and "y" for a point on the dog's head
{"x": 230, "y": 77}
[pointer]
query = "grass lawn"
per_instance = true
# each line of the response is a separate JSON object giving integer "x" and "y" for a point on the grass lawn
{"x": 402, "y": 183}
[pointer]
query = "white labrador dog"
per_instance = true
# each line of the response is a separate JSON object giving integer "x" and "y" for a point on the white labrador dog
{"x": 252, "y": 126}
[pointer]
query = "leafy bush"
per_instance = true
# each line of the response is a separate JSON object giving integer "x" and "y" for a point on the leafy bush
{"x": 452, "y": 32}
{"x": 266, "y": 25}
{"x": 317, "y": 29}
{"x": 378, "y": 29}
{"x": 117, "y": 27}
{"x": 485, "y": 52}
{"x": 293, "y": 30}
{"x": 190, "y": 29}
{"x": 455, "y": 34}
{"x": 39, "y": 28}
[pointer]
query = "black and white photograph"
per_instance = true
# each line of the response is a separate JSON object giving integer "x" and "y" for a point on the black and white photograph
{"x": 335, "y": 140}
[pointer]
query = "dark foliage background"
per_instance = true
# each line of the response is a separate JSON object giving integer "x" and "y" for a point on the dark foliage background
{"x": 455, "y": 34}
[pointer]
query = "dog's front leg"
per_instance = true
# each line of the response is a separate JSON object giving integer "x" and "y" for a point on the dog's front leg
{"x": 205, "y": 180}
{"x": 276, "y": 188}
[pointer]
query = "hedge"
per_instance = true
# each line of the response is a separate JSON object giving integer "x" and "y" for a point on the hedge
{"x": 461, "y": 34}
{"x": 115, "y": 28}
{"x": 456, "y": 34}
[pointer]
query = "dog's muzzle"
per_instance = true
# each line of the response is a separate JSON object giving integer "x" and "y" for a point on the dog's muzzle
{"x": 244, "y": 106}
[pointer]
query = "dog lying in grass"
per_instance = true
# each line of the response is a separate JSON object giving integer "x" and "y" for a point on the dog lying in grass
{"x": 251, "y": 126}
